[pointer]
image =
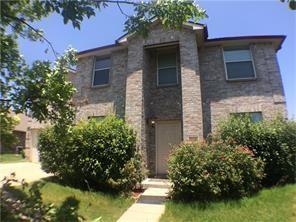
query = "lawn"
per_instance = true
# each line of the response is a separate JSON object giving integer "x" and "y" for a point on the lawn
{"x": 11, "y": 158}
{"x": 89, "y": 205}
{"x": 276, "y": 204}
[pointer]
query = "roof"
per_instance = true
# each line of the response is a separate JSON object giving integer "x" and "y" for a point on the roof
{"x": 98, "y": 48}
{"x": 26, "y": 122}
{"x": 276, "y": 40}
{"x": 119, "y": 43}
{"x": 190, "y": 24}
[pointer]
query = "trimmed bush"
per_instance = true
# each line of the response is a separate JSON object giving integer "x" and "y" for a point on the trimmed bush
{"x": 205, "y": 172}
{"x": 273, "y": 141}
{"x": 100, "y": 154}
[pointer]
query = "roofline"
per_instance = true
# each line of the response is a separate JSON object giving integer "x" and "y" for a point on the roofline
{"x": 97, "y": 48}
{"x": 257, "y": 37}
{"x": 190, "y": 23}
{"x": 279, "y": 37}
{"x": 206, "y": 33}
{"x": 117, "y": 41}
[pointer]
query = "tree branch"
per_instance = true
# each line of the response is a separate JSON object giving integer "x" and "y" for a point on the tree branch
{"x": 122, "y": 12}
{"x": 35, "y": 30}
{"x": 119, "y": 2}
{"x": 38, "y": 33}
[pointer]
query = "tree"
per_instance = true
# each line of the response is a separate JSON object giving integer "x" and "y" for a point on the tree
{"x": 41, "y": 88}
{"x": 292, "y": 3}
{"x": 7, "y": 123}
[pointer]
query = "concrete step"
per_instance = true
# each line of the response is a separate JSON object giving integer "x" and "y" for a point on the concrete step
{"x": 156, "y": 183}
{"x": 154, "y": 196}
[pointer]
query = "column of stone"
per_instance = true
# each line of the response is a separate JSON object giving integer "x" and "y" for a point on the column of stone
{"x": 134, "y": 102}
{"x": 191, "y": 89}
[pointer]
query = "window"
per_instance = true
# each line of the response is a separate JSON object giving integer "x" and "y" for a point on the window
{"x": 97, "y": 118}
{"x": 238, "y": 63}
{"x": 101, "y": 71}
{"x": 167, "y": 69}
{"x": 255, "y": 116}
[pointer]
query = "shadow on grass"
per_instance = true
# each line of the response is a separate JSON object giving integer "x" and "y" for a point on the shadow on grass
{"x": 23, "y": 202}
{"x": 68, "y": 211}
{"x": 84, "y": 186}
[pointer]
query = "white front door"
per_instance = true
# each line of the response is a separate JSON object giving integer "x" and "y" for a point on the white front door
{"x": 34, "y": 146}
{"x": 168, "y": 134}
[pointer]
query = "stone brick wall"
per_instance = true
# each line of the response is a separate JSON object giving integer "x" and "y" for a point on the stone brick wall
{"x": 161, "y": 103}
{"x": 221, "y": 97}
{"x": 100, "y": 101}
{"x": 201, "y": 98}
{"x": 191, "y": 88}
{"x": 146, "y": 101}
{"x": 134, "y": 109}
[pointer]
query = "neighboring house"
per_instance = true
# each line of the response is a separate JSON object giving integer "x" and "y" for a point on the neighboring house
{"x": 176, "y": 85}
{"x": 27, "y": 131}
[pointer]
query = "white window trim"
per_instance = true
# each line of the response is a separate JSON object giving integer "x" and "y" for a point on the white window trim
{"x": 94, "y": 72}
{"x": 244, "y": 60}
{"x": 172, "y": 84}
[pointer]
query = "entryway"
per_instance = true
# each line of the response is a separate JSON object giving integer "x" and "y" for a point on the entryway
{"x": 167, "y": 134}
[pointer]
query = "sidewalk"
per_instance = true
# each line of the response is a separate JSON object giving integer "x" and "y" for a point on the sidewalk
{"x": 150, "y": 206}
{"x": 25, "y": 170}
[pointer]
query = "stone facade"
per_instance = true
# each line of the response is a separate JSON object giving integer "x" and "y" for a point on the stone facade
{"x": 221, "y": 97}
{"x": 201, "y": 98}
{"x": 100, "y": 101}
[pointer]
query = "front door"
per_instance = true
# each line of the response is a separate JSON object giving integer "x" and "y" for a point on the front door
{"x": 168, "y": 134}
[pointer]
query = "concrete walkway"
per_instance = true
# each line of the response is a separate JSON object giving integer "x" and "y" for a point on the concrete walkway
{"x": 26, "y": 170}
{"x": 150, "y": 206}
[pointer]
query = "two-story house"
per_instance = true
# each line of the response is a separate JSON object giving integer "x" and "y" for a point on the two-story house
{"x": 175, "y": 85}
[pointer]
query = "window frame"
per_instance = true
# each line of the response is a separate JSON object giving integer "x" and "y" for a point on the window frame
{"x": 97, "y": 118}
{"x": 94, "y": 71}
{"x": 157, "y": 67}
{"x": 249, "y": 113}
{"x": 251, "y": 60}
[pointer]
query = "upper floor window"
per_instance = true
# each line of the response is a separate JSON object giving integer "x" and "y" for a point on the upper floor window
{"x": 101, "y": 75}
{"x": 238, "y": 63}
{"x": 167, "y": 68}
{"x": 254, "y": 116}
{"x": 97, "y": 118}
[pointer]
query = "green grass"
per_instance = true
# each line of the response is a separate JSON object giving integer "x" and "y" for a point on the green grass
{"x": 89, "y": 205}
{"x": 270, "y": 205}
{"x": 11, "y": 158}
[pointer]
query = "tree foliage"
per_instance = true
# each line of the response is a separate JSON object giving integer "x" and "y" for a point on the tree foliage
{"x": 292, "y": 3}
{"x": 7, "y": 123}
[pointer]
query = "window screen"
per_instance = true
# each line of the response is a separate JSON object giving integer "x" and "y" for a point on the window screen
{"x": 167, "y": 69}
{"x": 101, "y": 71}
{"x": 238, "y": 63}
{"x": 254, "y": 116}
{"x": 97, "y": 118}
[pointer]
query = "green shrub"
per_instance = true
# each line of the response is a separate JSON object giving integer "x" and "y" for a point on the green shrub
{"x": 205, "y": 172}
{"x": 101, "y": 154}
{"x": 274, "y": 141}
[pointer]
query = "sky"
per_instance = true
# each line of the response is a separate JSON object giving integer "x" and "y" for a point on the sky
{"x": 226, "y": 19}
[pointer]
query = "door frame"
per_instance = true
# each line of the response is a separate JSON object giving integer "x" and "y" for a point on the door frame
{"x": 156, "y": 137}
